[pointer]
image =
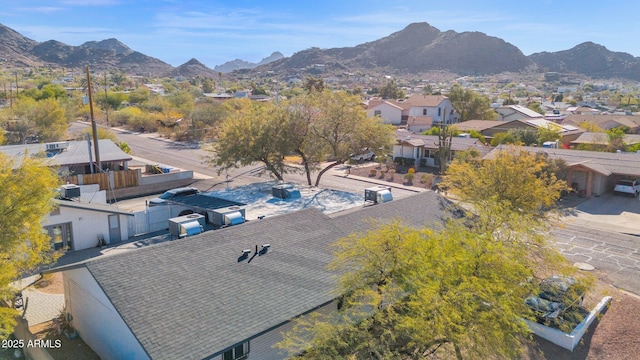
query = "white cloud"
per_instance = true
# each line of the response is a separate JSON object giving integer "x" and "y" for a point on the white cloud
{"x": 90, "y": 2}
{"x": 39, "y": 9}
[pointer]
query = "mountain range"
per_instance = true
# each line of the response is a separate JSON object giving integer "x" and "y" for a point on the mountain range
{"x": 237, "y": 64}
{"x": 416, "y": 49}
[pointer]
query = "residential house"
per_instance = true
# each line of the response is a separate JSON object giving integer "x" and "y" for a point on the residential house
{"x": 155, "y": 88}
{"x": 73, "y": 157}
{"x": 516, "y": 112}
{"x": 489, "y": 128}
{"x": 423, "y": 149}
{"x": 585, "y": 110}
{"x": 605, "y": 122}
{"x": 417, "y": 113}
{"x": 218, "y": 96}
{"x": 600, "y": 139}
{"x": 75, "y": 225}
{"x": 205, "y": 298}
{"x": 73, "y": 161}
{"x": 439, "y": 107}
{"x": 590, "y": 172}
{"x": 388, "y": 111}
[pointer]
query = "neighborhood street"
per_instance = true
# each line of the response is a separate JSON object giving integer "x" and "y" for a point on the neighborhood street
{"x": 614, "y": 254}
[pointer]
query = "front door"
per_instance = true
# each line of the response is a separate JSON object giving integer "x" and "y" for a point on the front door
{"x": 114, "y": 229}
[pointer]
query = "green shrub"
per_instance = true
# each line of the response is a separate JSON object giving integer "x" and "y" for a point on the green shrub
{"x": 427, "y": 179}
{"x": 409, "y": 177}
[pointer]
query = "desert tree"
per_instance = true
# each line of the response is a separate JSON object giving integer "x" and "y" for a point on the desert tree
{"x": 343, "y": 129}
{"x": 512, "y": 196}
{"x": 409, "y": 293}
{"x": 302, "y": 112}
{"x": 470, "y": 105}
{"x": 251, "y": 132}
{"x": 23, "y": 245}
{"x": 551, "y": 132}
{"x": 44, "y": 119}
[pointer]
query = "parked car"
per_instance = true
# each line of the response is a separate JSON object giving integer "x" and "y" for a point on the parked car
{"x": 173, "y": 194}
{"x": 366, "y": 155}
{"x": 628, "y": 187}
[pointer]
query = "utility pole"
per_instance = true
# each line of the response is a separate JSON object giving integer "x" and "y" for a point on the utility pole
{"x": 94, "y": 127}
{"x": 106, "y": 99}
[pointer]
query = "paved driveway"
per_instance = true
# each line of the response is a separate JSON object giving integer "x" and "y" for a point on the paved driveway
{"x": 607, "y": 212}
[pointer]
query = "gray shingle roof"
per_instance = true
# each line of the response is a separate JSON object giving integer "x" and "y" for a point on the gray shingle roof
{"x": 194, "y": 294}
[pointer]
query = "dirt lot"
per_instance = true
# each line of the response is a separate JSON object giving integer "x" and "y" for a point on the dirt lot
{"x": 51, "y": 284}
{"x": 614, "y": 336}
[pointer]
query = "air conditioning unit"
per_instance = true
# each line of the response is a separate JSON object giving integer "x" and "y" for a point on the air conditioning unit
{"x": 378, "y": 194}
{"x": 285, "y": 191}
{"x": 228, "y": 216}
{"x": 70, "y": 191}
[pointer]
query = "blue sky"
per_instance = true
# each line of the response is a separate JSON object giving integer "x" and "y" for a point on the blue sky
{"x": 214, "y": 31}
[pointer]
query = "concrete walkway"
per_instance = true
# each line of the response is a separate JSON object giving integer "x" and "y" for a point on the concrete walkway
{"x": 40, "y": 307}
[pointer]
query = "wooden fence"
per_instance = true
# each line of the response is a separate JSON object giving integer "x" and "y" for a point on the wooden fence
{"x": 121, "y": 179}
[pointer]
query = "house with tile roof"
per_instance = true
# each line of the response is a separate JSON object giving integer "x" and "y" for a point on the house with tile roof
{"x": 205, "y": 297}
{"x": 590, "y": 172}
{"x": 417, "y": 113}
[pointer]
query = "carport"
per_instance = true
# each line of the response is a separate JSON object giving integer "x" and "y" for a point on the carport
{"x": 591, "y": 172}
{"x": 588, "y": 179}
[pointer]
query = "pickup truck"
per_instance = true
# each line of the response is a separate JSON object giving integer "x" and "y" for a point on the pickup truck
{"x": 628, "y": 187}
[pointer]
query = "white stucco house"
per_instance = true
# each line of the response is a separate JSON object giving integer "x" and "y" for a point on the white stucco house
{"x": 388, "y": 111}
{"x": 75, "y": 225}
{"x": 204, "y": 298}
{"x": 423, "y": 149}
{"x": 417, "y": 112}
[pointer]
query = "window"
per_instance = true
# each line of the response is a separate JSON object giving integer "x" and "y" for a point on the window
{"x": 377, "y": 113}
{"x": 61, "y": 236}
{"x": 439, "y": 111}
{"x": 239, "y": 352}
{"x": 424, "y": 112}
